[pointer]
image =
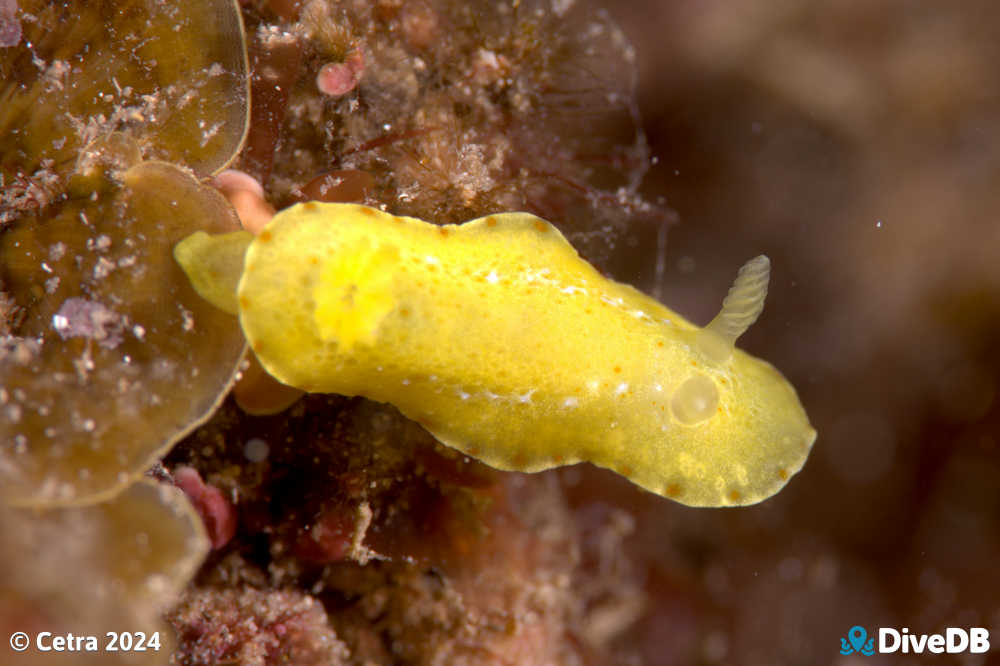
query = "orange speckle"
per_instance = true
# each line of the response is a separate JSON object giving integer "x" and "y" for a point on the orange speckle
{"x": 659, "y": 343}
{"x": 491, "y": 221}
{"x": 722, "y": 379}
{"x": 625, "y": 470}
{"x": 310, "y": 206}
{"x": 719, "y": 409}
{"x": 265, "y": 236}
{"x": 673, "y": 490}
{"x": 404, "y": 312}
{"x": 244, "y": 302}
{"x": 558, "y": 459}
{"x": 472, "y": 451}
{"x": 541, "y": 226}
{"x": 365, "y": 210}
{"x": 442, "y": 231}
{"x": 783, "y": 474}
{"x": 256, "y": 347}
{"x": 313, "y": 260}
{"x": 618, "y": 368}
{"x": 519, "y": 460}
{"x": 694, "y": 363}
{"x": 735, "y": 496}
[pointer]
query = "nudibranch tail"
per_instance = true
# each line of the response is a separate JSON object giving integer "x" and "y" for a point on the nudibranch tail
{"x": 740, "y": 309}
{"x": 214, "y": 265}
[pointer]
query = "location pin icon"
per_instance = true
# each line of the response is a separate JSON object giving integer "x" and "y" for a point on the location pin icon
{"x": 857, "y": 636}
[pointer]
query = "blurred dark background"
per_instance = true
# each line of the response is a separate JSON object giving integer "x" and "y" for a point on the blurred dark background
{"x": 857, "y": 143}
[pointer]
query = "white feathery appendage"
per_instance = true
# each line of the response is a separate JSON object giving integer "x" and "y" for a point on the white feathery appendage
{"x": 740, "y": 309}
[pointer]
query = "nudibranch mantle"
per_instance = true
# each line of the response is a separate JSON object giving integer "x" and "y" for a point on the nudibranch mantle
{"x": 506, "y": 345}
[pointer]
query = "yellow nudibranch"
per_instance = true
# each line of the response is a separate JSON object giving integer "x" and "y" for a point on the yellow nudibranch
{"x": 506, "y": 345}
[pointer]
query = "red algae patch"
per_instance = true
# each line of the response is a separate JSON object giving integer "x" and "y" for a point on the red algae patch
{"x": 340, "y": 78}
{"x": 246, "y": 195}
{"x": 217, "y": 513}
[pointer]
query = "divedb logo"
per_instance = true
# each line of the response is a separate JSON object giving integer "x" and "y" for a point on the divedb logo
{"x": 975, "y": 640}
